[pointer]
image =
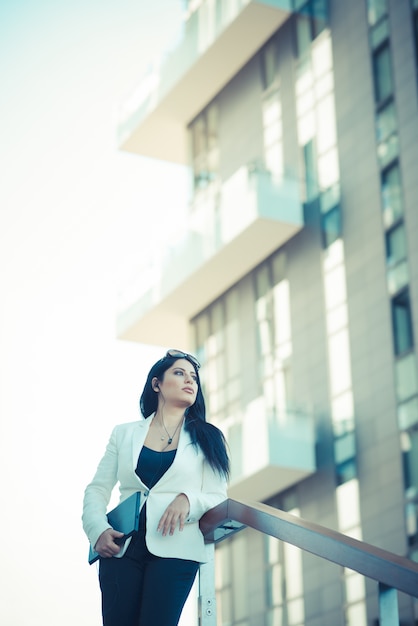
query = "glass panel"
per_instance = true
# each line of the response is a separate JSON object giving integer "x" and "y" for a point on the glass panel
{"x": 376, "y": 10}
{"x": 328, "y": 169}
{"x": 402, "y": 322}
{"x": 274, "y": 585}
{"x": 337, "y": 319}
{"x": 354, "y": 587}
{"x": 346, "y": 471}
{"x": 295, "y": 612}
{"x": 379, "y": 33}
{"x": 386, "y": 122}
{"x": 408, "y": 413}
{"x": 326, "y": 134}
{"x": 348, "y": 505}
{"x": 395, "y": 245}
{"x": 343, "y": 413}
{"x": 311, "y": 179}
{"x": 397, "y": 277}
{"x": 269, "y": 65}
{"x": 293, "y": 567}
{"x": 409, "y": 444}
{"x": 388, "y": 150}
{"x": 239, "y": 578}
{"x": 382, "y": 71}
{"x": 345, "y": 448}
{"x": 275, "y": 617}
{"x": 303, "y": 34}
{"x": 335, "y": 287}
{"x": 330, "y": 198}
{"x": 392, "y": 195}
{"x": 406, "y": 377}
{"x": 331, "y": 226}
{"x": 356, "y": 615}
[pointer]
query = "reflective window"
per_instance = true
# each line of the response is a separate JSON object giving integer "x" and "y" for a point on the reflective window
{"x": 406, "y": 377}
{"x": 395, "y": 245}
{"x": 348, "y": 505}
{"x": 409, "y": 445}
{"x": 376, "y": 9}
{"x": 382, "y": 71}
{"x": 269, "y": 64}
{"x": 391, "y": 195}
{"x": 408, "y": 413}
{"x": 339, "y": 362}
{"x": 402, "y": 322}
{"x": 331, "y": 226}
{"x": 386, "y": 122}
{"x": 311, "y": 177}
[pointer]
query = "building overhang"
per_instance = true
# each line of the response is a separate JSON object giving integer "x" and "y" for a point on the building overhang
{"x": 155, "y": 124}
{"x": 161, "y": 320}
{"x": 267, "y": 482}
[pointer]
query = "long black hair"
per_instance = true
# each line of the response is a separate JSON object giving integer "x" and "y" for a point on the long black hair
{"x": 208, "y": 437}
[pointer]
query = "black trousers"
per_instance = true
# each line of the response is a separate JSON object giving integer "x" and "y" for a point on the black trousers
{"x": 141, "y": 589}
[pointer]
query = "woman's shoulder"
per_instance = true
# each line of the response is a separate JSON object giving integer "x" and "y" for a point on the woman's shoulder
{"x": 127, "y": 427}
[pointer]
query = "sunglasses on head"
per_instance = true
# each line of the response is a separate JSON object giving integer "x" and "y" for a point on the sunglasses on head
{"x": 183, "y": 355}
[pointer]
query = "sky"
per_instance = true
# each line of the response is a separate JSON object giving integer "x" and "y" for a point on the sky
{"x": 77, "y": 217}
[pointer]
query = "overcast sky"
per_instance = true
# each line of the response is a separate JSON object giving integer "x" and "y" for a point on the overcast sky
{"x": 74, "y": 223}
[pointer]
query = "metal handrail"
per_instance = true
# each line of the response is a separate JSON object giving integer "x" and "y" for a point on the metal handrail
{"x": 392, "y": 572}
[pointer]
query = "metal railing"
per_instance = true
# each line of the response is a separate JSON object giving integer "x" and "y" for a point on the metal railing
{"x": 393, "y": 573}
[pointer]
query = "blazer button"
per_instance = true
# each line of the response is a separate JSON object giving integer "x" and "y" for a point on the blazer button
{"x": 146, "y": 493}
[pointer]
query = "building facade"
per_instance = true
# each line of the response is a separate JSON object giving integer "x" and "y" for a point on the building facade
{"x": 296, "y": 279}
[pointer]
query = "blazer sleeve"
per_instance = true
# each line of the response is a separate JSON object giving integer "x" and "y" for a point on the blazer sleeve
{"x": 98, "y": 492}
{"x": 213, "y": 492}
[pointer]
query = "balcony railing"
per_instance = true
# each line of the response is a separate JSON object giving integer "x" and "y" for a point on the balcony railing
{"x": 217, "y": 41}
{"x": 230, "y": 231}
{"x": 392, "y": 573}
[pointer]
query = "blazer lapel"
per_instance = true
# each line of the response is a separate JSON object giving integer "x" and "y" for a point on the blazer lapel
{"x": 138, "y": 438}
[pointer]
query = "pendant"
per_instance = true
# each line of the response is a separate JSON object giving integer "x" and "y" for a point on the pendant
{"x": 169, "y": 441}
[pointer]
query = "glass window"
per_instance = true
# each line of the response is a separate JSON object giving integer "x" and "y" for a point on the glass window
{"x": 339, "y": 362}
{"x": 386, "y": 122}
{"x": 346, "y": 471}
{"x": 409, "y": 444}
{"x": 303, "y": 34}
{"x": 269, "y": 64}
{"x": 311, "y": 178}
{"x": 382, "y": 72}
{"x": 391, "y": 195}
{"x": 331, "y": 226}
{"x": 395, "y": 245}
{"x": 376, "y": 10}
{"x": 402, "y": 322}
{"x": 408, "y": 413}
{"x": 348, "y": 505}
{"x": 406, "y": 377}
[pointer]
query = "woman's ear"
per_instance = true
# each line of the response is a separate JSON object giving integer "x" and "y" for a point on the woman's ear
{"x": 155, "y": 384}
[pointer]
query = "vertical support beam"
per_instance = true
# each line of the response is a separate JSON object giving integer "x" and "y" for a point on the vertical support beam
{"x": 207, "y": 598}
{"x": 388, "y": 606}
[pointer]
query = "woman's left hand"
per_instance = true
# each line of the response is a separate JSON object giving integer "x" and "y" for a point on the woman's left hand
{"x": 175, "y": 514}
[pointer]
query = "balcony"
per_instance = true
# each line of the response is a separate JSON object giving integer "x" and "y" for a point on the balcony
{"x": 231, "y": 230}
{"x": 214, "y": 47}
{"x": 270, "y": 453}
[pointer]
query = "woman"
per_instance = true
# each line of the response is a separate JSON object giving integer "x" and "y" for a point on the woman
{"x": 179, "y": 464}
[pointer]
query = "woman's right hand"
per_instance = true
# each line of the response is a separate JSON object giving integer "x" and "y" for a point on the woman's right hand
{"x": 106, "y": 546}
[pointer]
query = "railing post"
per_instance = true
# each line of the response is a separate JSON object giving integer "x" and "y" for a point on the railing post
{"x": 207, "y": 598}
{"x": 388, "y": 606}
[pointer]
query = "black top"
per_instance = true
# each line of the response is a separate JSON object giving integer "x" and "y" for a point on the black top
{"x": 152, "y": 465}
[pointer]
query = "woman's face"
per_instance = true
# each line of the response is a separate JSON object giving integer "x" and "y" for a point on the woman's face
{"x": 179, "y": 384}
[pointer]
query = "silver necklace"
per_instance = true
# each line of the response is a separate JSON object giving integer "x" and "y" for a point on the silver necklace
{"x": 170, "y": 437}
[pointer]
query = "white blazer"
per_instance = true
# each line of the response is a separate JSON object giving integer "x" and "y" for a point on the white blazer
{"x": 189, "y": 473}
